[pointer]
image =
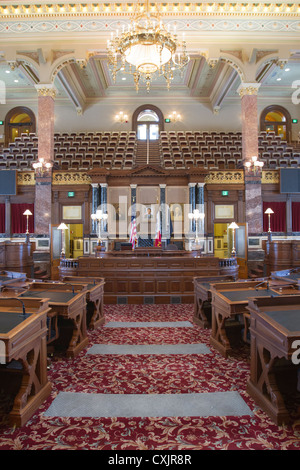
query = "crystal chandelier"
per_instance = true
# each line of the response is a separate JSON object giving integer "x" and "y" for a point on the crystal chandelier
{"x": 146, "y": 50}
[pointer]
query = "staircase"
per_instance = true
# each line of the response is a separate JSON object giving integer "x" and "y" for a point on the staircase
{"x": 141, "y": 157}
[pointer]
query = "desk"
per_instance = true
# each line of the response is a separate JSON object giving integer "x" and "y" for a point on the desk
{"x": 289, "y": 276}
{"x": 94, "y": 298}
{"x": 70, "y": 309}
{"x": 229, "y": 302}
{"x": 275, "y": 325}
{"x": 23, "y": 344}
{"x": 202, "y": 302}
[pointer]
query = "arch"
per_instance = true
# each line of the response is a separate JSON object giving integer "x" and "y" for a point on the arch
{"x": 149, "y": 107}
{"x": 18, "y": 120}
{"x": 278, "y": 119}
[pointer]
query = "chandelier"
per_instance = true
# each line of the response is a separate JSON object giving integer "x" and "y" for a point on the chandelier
{"x": 147, "y": 50}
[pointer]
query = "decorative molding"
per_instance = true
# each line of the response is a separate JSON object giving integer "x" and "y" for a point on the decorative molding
{"x": 69, "y": 177}
{"x": 26, "y": 178}
{"x": 225, "y": 177}
{"x": 248, "y": 89}
{"x": 191, "y": 22}
{"x": 46, "y": 90}
{"x": 270, "y": 177}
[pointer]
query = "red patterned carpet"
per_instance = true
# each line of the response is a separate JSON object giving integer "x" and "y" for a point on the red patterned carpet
{"x": 167, "y": 374}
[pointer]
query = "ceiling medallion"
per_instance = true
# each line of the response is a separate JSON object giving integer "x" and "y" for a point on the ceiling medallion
{"x": 147, "y": 50}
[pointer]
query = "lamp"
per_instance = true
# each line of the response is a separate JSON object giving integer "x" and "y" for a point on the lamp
{"x": 41, "y": 167}
{"x": 174, "y": 117}
{"x": 196, "y": 215}
{"x": 254, "y": 165}
{"x": 233, "y": 226}
{"x": 147, "y": 49}
{"x": 27, "y": 213}
{"x": 121, "y": 117}
{"x": 269, "y": 212}
{"x": 99, "y": 216}
{"x": 63, "y": 227}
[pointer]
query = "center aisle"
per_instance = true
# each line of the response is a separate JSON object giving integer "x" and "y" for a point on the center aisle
{"x": 149, "y": 386}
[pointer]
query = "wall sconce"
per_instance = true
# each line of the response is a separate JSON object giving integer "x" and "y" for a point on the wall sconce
{"x": 254, "y": 166}
{"x": 62, "y": 227}
{"x": 269, "y": 212}
{"x": 121, "y": 117}
{"x": 41, "y": 167}
{"x": 27, "y": 213}
{"x": 196, "y": 215}
{"x": 174, "y": 117}
{"x": 99, "y": 216}
{"x": 233, "y": 226}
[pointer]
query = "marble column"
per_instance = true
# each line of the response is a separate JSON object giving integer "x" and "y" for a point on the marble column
{"x": 253, "y": 194}
{"x": 200, "y": 206}
{"x": 43, "y": 186}
{"x": 163, "y": 215}
{"x": 95, "y": 204}
{"x": 192, "y": 204}
{"x": 103, "y": 204}
{"x": 132, "y": 201}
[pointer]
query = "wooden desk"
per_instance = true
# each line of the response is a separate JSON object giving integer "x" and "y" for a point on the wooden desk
{"x": 70, "y": 309}
{"x": 229, "y": 302}
{"x": 202, "y": 303}
{"x": 289, "y": 276}
{"x": 94, "y": 298}
{"x": 275, "y": 325}
{"x": 147, "y": 279}
{"x": 23, "y": 356}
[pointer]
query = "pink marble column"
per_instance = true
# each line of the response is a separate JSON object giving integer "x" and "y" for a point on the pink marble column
{"x": 253, "y": 195}
{"x": 43, "y": 187}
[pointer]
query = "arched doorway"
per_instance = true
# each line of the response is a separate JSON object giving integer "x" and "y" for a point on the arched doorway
{"x": 276, "y": 119}
{"x": 147, "y": 121}
{"x": 19, "y": 120}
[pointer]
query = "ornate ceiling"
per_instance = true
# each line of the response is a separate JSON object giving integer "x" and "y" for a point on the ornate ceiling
{"x": 229, "y": 43}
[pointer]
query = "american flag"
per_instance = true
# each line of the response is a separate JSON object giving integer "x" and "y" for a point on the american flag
{"x": 133, "y": 234}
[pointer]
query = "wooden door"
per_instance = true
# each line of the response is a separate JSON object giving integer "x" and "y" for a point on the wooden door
{"x": 55, "y": 250}
{"x": 241, "y": 246}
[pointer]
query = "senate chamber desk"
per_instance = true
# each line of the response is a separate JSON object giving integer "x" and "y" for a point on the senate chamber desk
{"x": 10, "y": 278}
{"x": 23, "y": 357}
{"x": 68, "y": 304}
{"x": 275, "y": 331}
{"x": 94, "y": 298}
{"x": 202, "y": 303}
{"x": 229, "y": 302}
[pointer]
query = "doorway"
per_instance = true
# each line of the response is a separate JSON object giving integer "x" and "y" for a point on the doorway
{"x": 224, "y": 242}
{"x": 278, "y": 120}
{"x": 147, "y": 121}
{"x": 18, "y": 121}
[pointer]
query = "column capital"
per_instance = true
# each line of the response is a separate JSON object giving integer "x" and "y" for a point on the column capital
{"x": 162, "y": 186}
{"x": 44, "y": 89}
{"x": 133, "y": 186}
{"x": 95, "y": 185}
{"x": 248, "y": 89}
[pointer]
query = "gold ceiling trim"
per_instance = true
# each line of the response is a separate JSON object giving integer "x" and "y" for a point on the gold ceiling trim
{"x": 88, "y": 10}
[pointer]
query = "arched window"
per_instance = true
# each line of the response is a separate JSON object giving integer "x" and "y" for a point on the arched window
{"x": 19, "y": 120}
{"x": 276, "y": 119}
{"x": 147, "y": 121}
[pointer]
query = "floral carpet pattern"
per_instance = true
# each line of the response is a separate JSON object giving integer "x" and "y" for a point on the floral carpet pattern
{"x": 168, "y": 374}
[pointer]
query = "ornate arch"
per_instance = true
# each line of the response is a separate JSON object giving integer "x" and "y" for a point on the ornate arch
{"x": 152, "y": 108}
{"x": 14, "y": 112}
{"x": 284, "y": 111}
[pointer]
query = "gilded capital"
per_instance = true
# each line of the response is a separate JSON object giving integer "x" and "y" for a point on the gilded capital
{"x": 248, "y": 89}
{"x": 46, "y": 90}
